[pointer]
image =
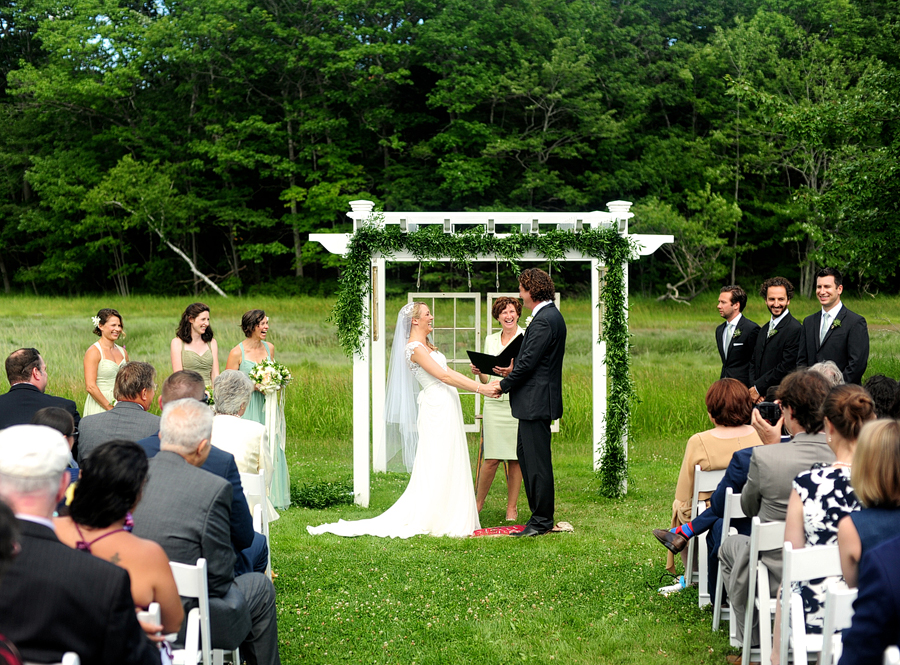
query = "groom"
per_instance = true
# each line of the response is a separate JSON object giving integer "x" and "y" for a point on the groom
{"x": 534, "y": 382}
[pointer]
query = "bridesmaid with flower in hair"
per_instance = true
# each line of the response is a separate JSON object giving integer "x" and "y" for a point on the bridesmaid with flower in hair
{"x": 102, "y": 361}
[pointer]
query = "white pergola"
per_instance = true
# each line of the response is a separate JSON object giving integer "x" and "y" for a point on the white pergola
{"x": 369, "y": 368}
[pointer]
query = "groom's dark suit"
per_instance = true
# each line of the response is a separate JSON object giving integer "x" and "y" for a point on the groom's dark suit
{"x": 775, "y": 355}
{"x": 535, "y": 398}
{"x": 736, "y": 365}
{"x": 846, "y": 343}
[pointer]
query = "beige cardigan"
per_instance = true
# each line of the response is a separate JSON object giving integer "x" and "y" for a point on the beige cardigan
{"x": 711, "y": 453}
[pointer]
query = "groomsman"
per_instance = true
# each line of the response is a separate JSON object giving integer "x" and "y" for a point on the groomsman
{"x": 736, "y": 337}
{"x": 778, "y": 343}
{"x": 835, "y": 333}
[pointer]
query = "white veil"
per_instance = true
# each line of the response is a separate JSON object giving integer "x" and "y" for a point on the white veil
{"x": 400, "y": 405}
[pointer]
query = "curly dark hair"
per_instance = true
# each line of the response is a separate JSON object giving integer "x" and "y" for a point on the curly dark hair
{"x": 885, "y": 393}
{"x": 250, "y": 320}
{"x": 776, "y": 281}
{"x": 112, "y": 478}
{"x": 500, "y": 305}
{"x": 183, "y": 332}
{"x": 805, "y": 391}
{"x": 104, "y": 315}
{"x": 538, "y": 284}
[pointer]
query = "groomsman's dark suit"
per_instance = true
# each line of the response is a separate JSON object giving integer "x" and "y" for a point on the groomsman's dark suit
{"x": 535, "y": 398}
{"x": 56, "y": 599}
{"x": 775, "y": 355}
{"x": 18, "y": 406}
{"x": 846, "y": 344}
{"x": 740, "y": 350}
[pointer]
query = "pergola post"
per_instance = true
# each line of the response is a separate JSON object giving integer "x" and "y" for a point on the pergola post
{"x": 598, "y": 366}
{"x": 379, "y": 337}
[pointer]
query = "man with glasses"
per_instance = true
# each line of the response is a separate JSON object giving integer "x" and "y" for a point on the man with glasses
{"x": 249, "y": 546}
{"x": 27, "y": 375}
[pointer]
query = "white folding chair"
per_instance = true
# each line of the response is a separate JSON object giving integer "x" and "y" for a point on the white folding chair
{"x": 69, "y": 658}
{"x": 254, "y": 485}
{"x": 733, "y": 511}
{"x": 808, "y": 563}
{"x": 192, "y": 583}
{"x": 704, "y": 481}
{"x": 892, "y": 656}
{"x": 763, "y": 538}
{"x": 838, "y": 616}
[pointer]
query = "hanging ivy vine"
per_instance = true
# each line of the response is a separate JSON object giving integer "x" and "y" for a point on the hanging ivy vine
{"x": 463, "y": 248}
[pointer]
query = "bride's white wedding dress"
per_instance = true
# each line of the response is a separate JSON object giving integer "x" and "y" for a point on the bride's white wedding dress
{"x": 440, "y": 497}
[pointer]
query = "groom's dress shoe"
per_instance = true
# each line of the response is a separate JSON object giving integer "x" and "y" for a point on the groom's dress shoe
{"x": 675, "y": 542}
{"x": 529, "y": 531}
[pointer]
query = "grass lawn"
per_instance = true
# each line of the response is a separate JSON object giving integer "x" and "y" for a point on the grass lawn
{"x": 587, "y": 597}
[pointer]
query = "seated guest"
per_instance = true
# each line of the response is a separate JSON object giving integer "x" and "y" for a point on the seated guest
{"x": 9, "y": 547}
{"x": 876, "y": 618}
{"x": 187, "y": 511}
{"x": 770, "y": 476}
{"x": 728, "y": 406}
{"x": 250, "y": 547}
{"x": 830, "y": 371}
{"x": 27, "y": 375}
{"x": 876, "y": 481}
{"x": 822, "y": 496}
{"x": 886, "y": 393}
{"x": 128, "y": 419}
{"x": 62, "y": 422}
{"x": 55, "y": 599}
{"x": 98, "y": 522}
{"x": 245, "y": 439}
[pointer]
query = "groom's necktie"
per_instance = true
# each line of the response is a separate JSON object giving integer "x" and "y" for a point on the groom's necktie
{"x": 726, "y": 338}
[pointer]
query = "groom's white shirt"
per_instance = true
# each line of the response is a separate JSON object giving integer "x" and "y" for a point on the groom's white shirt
{"x": 539, "y": 307}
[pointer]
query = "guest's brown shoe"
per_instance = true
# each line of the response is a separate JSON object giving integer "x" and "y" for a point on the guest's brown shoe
{"x": 674, "y": 542}
{"x": 735, "y": 660}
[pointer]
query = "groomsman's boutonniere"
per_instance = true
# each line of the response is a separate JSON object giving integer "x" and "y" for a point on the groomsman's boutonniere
{"x": 736, "y": 333}
{"x": 528, "y": 320}
{"x": 836, "y": 324}
{"x": 771, "y": 333}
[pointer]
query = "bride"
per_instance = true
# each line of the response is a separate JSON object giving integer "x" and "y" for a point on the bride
{"x": 425, "y": 421}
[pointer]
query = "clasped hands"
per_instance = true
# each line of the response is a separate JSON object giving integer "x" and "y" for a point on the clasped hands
{"x": 493, "y": 389}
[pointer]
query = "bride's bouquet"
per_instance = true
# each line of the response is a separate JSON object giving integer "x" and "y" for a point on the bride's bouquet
{"x": 270, "y": 376}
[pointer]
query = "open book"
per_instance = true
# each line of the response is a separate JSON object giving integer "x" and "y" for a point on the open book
{"x": 486, "y": 363}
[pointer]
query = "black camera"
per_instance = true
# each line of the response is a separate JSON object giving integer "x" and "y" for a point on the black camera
{"x": 770, "y": 411}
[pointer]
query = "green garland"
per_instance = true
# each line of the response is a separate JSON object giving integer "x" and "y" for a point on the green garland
{"x": 430, "y": 242}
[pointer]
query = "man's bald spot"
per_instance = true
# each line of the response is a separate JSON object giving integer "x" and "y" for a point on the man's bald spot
{"x": 184, "y": 384}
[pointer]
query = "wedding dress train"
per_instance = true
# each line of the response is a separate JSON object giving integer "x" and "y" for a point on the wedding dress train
{"x": 440, "y": 497}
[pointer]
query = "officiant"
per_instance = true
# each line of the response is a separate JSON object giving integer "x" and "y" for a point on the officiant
{"x": 499, "y": 428}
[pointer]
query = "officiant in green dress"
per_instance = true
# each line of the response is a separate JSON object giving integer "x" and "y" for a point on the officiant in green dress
{"x": 499, "y": 428}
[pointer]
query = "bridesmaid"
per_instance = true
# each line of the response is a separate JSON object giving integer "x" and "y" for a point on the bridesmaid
{"x": 244, "y": 358}
{"x": 102, "y": 361}
{"x": 194, "y": 347}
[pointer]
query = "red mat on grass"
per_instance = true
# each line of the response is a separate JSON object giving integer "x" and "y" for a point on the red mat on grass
{"x": 499, "y": 530}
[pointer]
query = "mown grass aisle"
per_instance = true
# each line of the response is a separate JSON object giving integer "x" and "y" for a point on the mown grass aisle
{"x": 585, "y": 597}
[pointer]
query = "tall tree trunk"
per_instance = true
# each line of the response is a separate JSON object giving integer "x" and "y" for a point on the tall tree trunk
{"x": 194, "y": 258}
{"x": 737, "y": 184}
{"x": 6, "y": 285}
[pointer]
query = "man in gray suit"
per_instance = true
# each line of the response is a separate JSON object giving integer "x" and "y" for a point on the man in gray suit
{"x": 188, "y": 512}
{"x": 771, "y": 474}
{"x": 128, "y": 419}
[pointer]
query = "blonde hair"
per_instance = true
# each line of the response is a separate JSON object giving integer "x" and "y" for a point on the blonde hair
{"x": 417, "y": 313}
{"x": 875, "y": 475}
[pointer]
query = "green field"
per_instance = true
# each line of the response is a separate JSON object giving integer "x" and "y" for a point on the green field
{"x": 587, "y": 597}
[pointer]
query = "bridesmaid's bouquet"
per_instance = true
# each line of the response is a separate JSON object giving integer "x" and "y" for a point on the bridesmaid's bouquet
{"x": 270, "y": 376}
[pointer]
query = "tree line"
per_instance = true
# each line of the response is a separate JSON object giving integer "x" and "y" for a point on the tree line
{"x": 191, "y": 146}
